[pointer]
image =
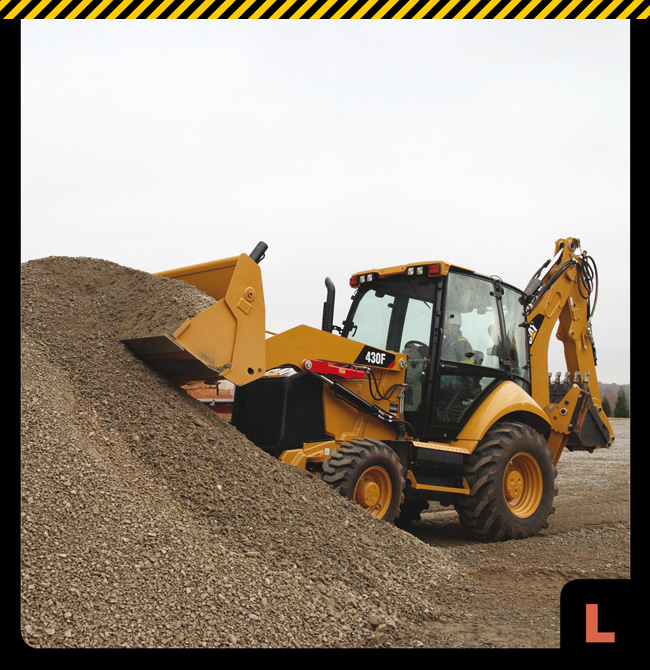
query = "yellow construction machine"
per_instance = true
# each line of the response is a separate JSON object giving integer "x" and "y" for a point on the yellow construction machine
{"x": 436, "y": 386}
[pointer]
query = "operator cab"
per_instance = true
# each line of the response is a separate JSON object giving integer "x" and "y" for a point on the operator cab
{"x": 462, "y": 334}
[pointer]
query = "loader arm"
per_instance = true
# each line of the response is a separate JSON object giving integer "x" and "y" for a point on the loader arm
{"x": 343, "y": 368}
{"x": 562, "y": 298}
{"x": 228, "y": 341}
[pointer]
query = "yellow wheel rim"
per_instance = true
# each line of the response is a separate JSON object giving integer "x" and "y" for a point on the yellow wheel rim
{"x": 374, "y": 491}
{"x": 522, "y": 485}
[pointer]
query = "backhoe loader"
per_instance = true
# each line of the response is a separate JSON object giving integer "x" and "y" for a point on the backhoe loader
{"x": 436, "y": 386}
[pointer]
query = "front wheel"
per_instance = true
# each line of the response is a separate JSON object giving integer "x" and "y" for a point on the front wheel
{"x": 511, "y": 476}
{"x": 369, "y": 473}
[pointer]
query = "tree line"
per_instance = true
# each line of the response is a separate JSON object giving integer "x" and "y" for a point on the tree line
{"x": 621, "y": 406}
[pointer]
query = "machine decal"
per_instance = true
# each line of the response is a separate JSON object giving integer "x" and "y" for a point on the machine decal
{"x": 376, "y": 357}
{"x": 533, "y": 328}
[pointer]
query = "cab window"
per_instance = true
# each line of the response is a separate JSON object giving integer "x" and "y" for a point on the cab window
{"x": 471, "y": 331}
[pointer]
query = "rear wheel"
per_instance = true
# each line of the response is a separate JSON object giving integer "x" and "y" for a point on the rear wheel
{"x": 511, "y": 476}
{"x": 369, "y": 473}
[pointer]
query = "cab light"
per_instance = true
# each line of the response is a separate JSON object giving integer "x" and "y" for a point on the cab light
{"x": 416, "y": 270}
{"x": 356, "y": 280}
{"x": 434, "y": 269}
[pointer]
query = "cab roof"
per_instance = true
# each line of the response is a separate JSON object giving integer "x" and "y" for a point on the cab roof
{"x": 427, "y": 268}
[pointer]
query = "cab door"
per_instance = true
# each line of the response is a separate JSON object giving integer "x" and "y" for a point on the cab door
{"x": 396, "y": 314}
{"x": 480, "y": 343}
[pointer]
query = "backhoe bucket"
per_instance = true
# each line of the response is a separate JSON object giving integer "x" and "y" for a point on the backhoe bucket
{"x": 224, "y": 341}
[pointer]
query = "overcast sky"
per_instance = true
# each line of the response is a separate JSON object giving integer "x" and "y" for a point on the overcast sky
{"x": 344, "y": 145}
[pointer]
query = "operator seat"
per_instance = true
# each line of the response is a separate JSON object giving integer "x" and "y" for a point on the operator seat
{"x": 417, "y": 359}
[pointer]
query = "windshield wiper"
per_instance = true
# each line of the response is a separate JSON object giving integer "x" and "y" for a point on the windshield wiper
{"x": 417, "y": 293}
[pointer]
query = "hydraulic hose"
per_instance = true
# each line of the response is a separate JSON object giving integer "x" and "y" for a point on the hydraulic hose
{"x": 587, "y": 280}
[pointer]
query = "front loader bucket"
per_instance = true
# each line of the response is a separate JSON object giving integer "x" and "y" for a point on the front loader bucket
{"x": 224, "y": 341}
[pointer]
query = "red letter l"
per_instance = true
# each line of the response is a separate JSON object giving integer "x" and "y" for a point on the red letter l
{"x": 593, "y": 634}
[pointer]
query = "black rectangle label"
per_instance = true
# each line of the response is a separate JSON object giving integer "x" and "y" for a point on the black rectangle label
{"x": 375, "y": 357}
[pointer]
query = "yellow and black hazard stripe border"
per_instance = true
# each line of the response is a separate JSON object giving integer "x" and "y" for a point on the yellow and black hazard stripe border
{"x": 324, "y": 9}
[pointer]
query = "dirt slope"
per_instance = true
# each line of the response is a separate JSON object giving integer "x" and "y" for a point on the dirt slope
{"x": 147, "y": 521}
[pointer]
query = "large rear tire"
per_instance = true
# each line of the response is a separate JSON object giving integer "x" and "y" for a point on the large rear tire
{"x": 369, "y": 473}
{"x": 511, "y": 476}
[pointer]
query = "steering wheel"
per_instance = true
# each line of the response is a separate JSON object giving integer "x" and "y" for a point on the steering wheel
{"x": 417, "y": 345}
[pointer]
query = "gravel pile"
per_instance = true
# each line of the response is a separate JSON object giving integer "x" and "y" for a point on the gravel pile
{"x": 148, "y": 521}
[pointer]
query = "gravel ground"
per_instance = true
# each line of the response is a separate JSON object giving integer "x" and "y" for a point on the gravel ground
{"x": 509, "y": 593}
{"x": 149, "y": 522}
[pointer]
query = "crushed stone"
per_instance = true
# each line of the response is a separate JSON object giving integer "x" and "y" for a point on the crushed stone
{"x": 149, "y": 522}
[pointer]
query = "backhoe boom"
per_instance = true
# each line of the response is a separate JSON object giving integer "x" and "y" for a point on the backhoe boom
{"x": 562, "y": 298}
